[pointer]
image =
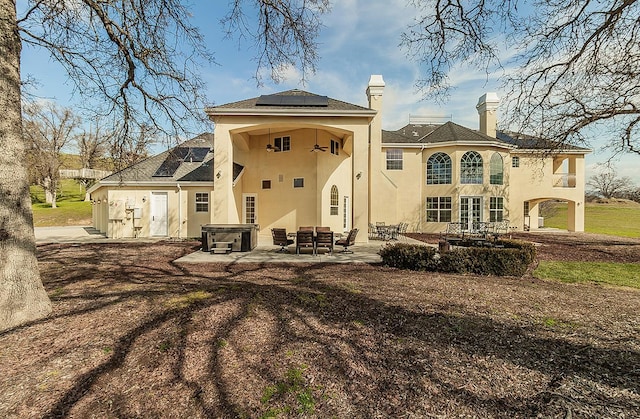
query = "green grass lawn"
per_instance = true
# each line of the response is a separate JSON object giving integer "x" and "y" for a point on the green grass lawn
{"x": 71, "y": 210}
{"x": 620, "y": 274}
{"x": 618, "y": 220}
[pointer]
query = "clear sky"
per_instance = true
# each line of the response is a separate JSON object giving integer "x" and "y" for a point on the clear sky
{"x": 359, "y": 38}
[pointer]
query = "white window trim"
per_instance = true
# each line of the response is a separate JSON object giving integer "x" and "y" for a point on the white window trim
{"x": 244, "y": 206}
{"x": 400, "y": 159}
{"x": 202, "y": 202}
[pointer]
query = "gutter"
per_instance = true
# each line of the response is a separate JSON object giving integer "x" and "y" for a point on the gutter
{"x": 179, "y": 210}
{"x": 423, "y": 146}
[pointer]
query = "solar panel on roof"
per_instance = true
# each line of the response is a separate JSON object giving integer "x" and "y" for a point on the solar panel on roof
{"x": 179, "y": 155}
{"x": 196, "y": 154}
{"x": 316, "y": 101}
{"x": 292, "y": 100}
{"x": 268, "y": 100}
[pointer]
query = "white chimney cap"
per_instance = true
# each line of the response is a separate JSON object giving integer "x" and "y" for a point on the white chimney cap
{"x": 376, "y": 80}
{"x": 489, "y": 99}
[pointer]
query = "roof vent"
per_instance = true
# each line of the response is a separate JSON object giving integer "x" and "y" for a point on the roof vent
{"x": 415, "y": 133}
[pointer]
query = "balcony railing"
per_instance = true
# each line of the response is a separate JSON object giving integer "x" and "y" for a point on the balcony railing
{"x": 564, "y": 180}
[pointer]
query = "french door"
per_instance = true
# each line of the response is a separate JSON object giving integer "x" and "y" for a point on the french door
{"x": 470, "y": 211}
{"x": 250, "y": 208}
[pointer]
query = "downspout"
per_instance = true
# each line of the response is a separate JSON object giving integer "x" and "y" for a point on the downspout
{"x": 179, "y": 210}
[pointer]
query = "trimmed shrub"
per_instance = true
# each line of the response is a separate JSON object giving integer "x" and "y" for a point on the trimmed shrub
{"x": 409, "y": 256}
{"x": 485, "y": 261}
{"x": 511, "y": 259}
{"x": 526, "y": 247}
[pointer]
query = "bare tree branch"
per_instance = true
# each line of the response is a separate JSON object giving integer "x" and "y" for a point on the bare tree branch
{"x": 285, "y": 36}
{"x": 577, "y": 62}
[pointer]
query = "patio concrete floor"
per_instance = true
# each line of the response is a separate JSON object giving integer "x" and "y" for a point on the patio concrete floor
{"x": 266, "y": 252}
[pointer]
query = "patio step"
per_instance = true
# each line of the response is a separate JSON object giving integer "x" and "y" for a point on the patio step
{"x": 221, "y": 248}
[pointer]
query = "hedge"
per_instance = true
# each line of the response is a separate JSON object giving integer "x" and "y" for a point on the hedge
{"x": 409, "y": 256}
{"x": 511, "y": 259}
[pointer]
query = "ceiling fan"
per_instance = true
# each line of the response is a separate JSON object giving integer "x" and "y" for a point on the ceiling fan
{"x": 270, "y": 147}
{"x": 317, "y": 147}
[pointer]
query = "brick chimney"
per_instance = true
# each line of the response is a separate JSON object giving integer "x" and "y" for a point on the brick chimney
{"x": 487, "y": 107}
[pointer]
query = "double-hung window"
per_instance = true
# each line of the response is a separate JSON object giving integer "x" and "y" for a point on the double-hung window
{"x": 202, "y": 202}
{"x": 496, "y": 208}
{"x": 394, "y": 159}
{"x": 439, "y": 209}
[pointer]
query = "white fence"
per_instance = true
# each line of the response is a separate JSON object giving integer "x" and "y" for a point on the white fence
{"x": 84, "y": 173}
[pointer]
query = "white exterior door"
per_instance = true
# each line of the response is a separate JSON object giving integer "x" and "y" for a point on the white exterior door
{"x": 159, "y": 211}
{"x": 470, "y": 211}
{"x": 250, "y": 208}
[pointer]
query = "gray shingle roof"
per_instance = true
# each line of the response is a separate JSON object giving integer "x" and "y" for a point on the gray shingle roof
{"x": 529, "y": 142}
{"x": 332, "y": 104}
{"x": 431, "y": 134}
{"x": 187, "y": 171}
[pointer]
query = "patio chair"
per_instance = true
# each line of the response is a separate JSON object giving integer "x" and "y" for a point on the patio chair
{"x": 402, "y": 230}
{"x": 479, "y": 233}
{"x": 306, "y": 228}
{"x": 304, "y": 240}
{"x": 324, "y": 239}
{"x": 348, "y": 241}
{"x": 454, "y": 235}
{"x": 500, "y": 228}
{"x": 323, "y": 229}
{"x": 373, "y": 231}
{"x": 280, "y": 239}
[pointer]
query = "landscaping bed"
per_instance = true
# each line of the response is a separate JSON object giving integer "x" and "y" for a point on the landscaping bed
{"x": 133, "y": 334}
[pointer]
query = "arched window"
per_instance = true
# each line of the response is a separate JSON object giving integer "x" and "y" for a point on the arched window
{"x": 471, "y": 168}
{"x": 439, "y": 169}
{"x": 496, "y": 169}
{"x": 334, "y": 200}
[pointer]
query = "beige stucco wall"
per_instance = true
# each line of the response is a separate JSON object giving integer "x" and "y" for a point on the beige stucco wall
{"x": 114, "y": 214}
{"x": 537, "y": 179}
{"x": 283, "y": 205}
{"x": 405, "y": 190}
{"x": 541, "y": 178}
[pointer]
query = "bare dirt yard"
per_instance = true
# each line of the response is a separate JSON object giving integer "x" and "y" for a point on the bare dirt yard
{"x": 134, "y": 334}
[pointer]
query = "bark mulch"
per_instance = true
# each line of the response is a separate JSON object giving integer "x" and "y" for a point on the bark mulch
{"x": 133, "y": 334}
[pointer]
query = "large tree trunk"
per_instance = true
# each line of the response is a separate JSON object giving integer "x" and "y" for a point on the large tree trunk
{"x": 22, "y": 296}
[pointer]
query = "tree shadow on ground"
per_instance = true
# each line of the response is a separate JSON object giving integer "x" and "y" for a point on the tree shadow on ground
{"x": 214, "y": 340}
